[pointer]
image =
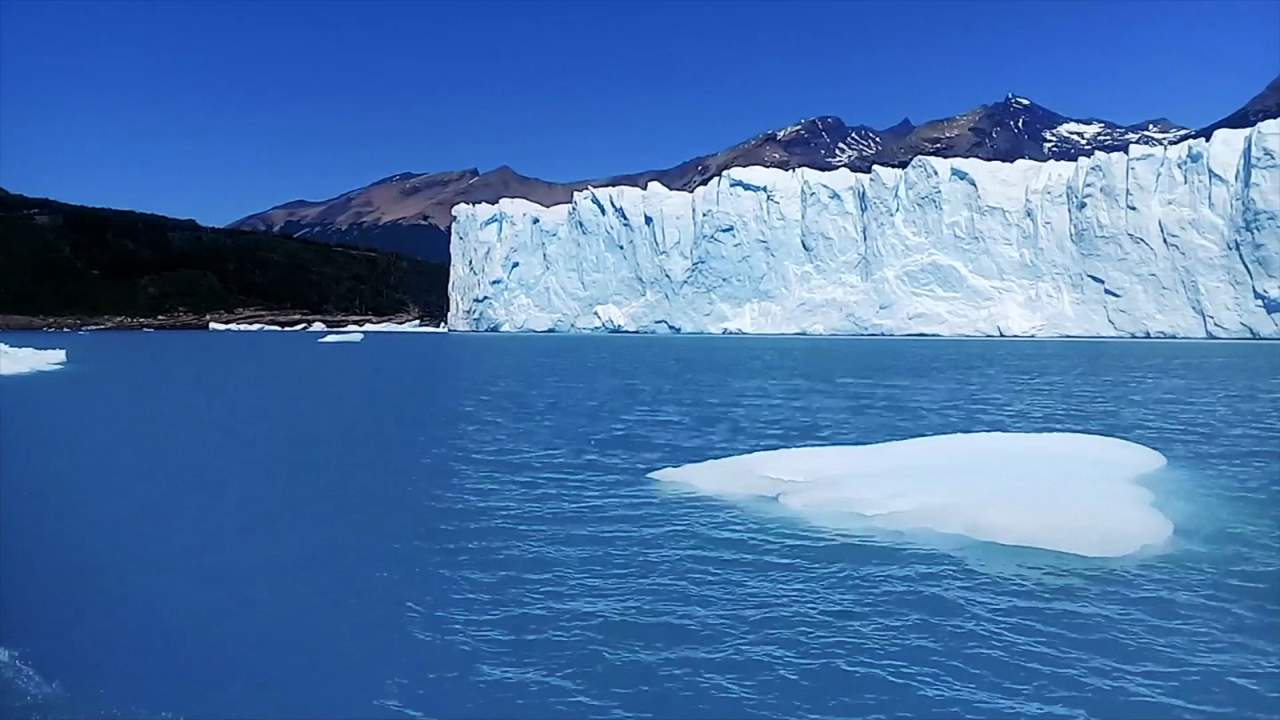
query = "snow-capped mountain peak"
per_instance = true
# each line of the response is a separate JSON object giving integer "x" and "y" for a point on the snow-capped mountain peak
{"x": 411, "y": 212}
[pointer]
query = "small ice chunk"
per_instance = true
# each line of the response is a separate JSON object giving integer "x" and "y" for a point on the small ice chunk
{"x": 342, "y": 338}
{"x": 21, "y": 360}
{"x": 1068, "y": 492}
{"x": 243, "y": 327}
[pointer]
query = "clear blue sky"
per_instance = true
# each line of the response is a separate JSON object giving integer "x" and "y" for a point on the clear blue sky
{"x": 218, "y": 109}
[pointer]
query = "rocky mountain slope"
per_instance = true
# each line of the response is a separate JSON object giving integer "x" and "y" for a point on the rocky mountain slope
{"x": 410, "y": 213}
{"x": 1264, "y": 106}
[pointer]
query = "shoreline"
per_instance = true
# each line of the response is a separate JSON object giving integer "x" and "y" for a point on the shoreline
{"x": 195, "y": 321}
{"x": 335, "y": 323}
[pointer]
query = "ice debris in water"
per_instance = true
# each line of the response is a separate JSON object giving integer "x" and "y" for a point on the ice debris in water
{"x": 246, "y": 327}
{"x": 21, "y": 360}
{"x": 1067, "y": 492}
{"x": 342, "y": 338}
{"x": 410, "y": 326}
{"x": 21, "y": 688}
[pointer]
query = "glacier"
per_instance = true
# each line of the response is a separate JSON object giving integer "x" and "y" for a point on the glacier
{"x": 1066, "y": 492}
{"x": 1174, "y": 241}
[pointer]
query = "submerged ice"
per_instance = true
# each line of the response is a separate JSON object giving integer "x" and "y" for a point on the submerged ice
{"x": 21, "y": 360}
{"x": 1066, "y": 492}
{"x": 1177, "y": 241}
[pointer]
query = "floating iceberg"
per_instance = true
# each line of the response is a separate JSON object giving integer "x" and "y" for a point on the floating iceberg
{"x": 410, "y": 326}
{"x": 1067, "y": 492}
{"x": 20, "y": 360}
{"x": 352, "y": 337}
{"x": 252, "y": 327}
{"x": 1177, "y": 241}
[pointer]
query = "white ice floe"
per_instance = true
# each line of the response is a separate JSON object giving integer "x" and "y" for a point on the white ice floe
{"x": 352, "y": 337}
{"x": 249, "y": 327}
{"x": 20, "y": 360}
{"x": 1067, "y": 492}
{"x": 411, "y": 326}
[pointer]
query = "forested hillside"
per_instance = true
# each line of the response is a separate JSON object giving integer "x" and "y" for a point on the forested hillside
{"x": 59, "y": 260}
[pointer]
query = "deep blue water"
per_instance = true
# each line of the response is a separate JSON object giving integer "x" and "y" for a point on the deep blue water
{"x": 253, "y": 525}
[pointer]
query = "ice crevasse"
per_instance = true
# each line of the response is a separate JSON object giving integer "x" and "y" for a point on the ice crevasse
{"x": 1177, "y": 241}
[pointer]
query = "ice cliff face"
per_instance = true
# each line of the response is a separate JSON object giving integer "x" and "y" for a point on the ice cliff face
{"x": 1176, "y": 241}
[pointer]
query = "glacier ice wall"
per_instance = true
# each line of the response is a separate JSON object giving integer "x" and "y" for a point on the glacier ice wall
{"x": 1177, "y": 241}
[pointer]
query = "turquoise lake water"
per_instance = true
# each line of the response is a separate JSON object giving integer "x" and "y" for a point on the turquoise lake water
{"x": 254, "y": 525}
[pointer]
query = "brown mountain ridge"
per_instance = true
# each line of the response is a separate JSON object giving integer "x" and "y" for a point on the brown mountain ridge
{"x": 410, "y": 213}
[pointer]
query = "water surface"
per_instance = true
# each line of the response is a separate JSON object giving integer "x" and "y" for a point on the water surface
{"x": 255, "y": 525}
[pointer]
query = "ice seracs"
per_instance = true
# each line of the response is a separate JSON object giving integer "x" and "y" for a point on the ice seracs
{"x": 1174, "y": 241}
{"x": 1065, "y": 492}
{"x": 24, "y": 360}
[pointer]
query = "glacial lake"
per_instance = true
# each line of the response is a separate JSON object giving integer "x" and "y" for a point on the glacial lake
{"x": 256, "y": 525}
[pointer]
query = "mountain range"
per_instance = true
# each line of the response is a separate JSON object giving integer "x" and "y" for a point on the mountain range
{"x": 410, "y": 213}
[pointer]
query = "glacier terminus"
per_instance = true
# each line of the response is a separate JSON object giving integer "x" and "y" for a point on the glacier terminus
{"x": 1174, "y": 241}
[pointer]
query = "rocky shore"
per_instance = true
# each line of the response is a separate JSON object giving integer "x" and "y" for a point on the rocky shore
{"x": 195, "y": 321}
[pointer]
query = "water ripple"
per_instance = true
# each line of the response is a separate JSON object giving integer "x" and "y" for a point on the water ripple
{"x": 565, "y": 584}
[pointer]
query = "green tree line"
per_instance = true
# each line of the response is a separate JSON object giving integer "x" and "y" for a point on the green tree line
{"x": 58, "y": 259}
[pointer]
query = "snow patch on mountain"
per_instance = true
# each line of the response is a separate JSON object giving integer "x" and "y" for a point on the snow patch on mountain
{"x": 1077, "y": 130}
{"x": 789, "y": 131}
{"x": 859, "y": 144}
{"x": 1159, "y": 136}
